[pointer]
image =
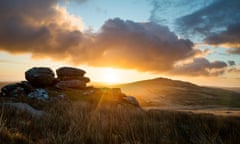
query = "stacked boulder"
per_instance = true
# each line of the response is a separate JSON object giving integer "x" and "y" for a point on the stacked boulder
{"x": 40, "y": 76}
{"x": 72, "y": 78}
{"x": 37, "y": 78}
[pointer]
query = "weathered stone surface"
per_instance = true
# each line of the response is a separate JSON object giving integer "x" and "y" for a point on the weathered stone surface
{"x": 75, "y": 84}
{"x": 69, "y": 71}
{"x": 40, "y": 76}
{"x": 131, "y": 100}
{"x": 13, "y": 90}
{"x": 8, "y": 88}
{"x": 65, "y": 78}
{"x": 40, "y": 94}
{"x": 26, "y": 86}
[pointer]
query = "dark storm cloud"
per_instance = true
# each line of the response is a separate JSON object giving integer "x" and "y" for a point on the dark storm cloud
{"x": 212, "y": 18}
{"x": 228, "y": 38}
{"x": 36, "y": 27}
{"x": 41, "y": 28}
{"x": 231, "y": 63}
{"x": 145, "y": 46}
{"x": 201, "y": 66}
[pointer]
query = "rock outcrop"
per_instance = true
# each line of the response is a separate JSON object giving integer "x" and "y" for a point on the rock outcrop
{"x": 40, "y": 76}
{"x": 70, "y": 82}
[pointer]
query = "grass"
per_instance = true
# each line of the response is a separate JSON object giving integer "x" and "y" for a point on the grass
{"x": 100, "y": 117}
{"x": 82, "y": 122}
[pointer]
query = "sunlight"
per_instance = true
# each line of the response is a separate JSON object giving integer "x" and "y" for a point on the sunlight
{"x": 111, "y": 76}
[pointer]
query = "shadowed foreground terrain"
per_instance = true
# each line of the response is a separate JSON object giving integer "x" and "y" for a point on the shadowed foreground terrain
{"x": 106, "y": 115}
{"x": 79, "y": 122}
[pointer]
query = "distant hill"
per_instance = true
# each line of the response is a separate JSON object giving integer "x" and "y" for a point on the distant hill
{"x": 166, "y": 92}
{"x": 236, "y": 89}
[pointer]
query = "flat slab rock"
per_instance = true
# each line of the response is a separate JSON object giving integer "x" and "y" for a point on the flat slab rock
{"x": 75, "y": 84}
{"x": 81, "y": 78}
{"x": 69, "y": 71}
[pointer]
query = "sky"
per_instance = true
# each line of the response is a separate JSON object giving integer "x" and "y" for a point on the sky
{"x": 123, "y": 41}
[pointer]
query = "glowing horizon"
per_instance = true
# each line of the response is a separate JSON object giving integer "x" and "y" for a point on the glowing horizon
{"x": 115, "y": 47}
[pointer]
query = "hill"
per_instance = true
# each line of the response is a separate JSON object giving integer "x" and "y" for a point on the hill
{"x": 166, "y": 92}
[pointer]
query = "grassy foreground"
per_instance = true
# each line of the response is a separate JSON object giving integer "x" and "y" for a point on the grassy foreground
{"x": 79, "y": 122}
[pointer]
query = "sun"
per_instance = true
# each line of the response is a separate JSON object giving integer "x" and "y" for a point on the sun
{"x": 111, "y": 76}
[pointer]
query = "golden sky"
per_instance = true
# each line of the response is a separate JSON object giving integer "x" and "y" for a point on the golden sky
{"x": 115, "y": 48}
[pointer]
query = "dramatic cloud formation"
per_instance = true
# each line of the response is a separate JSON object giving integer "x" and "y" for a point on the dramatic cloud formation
{"x": 37, "y": 27}
{"x": 143, "y": 46}
{"x": 201, "y": 66}
{"x": 229, "y": 39}
{"x": 45, "y": 29}
{"x": 211, "y": 19}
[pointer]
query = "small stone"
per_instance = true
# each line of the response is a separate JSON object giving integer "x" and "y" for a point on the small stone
{"x": 131, "y": 100}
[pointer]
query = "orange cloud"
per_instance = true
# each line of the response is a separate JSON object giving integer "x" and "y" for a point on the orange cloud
{"x": 44, "y": 29}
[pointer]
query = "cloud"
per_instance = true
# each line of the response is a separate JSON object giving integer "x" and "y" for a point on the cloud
{"x": 38, "y": 27}
{"x": 231, "y": 63}
{"x": 228, "y": 39}
{"x": 210, "y": 19}
{"x": 78, "y": 1}
{"x": 143, "y": 46}
{"x": 45, "y": 29}
{"x": 166, "y": 12}
{"x": 201, "y": 66}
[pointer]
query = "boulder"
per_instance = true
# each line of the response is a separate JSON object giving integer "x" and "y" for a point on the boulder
{"x": 40, "y": 76}
{"x": 65, "y": 78}
{"x": 24, "y": 107}
{"x": 27, "y": 86}
{"x": 8, "y": 88}
{"x": 13, "y": 90}
{"x": 75, "y": 84}
{"x": 40, "y": 94}
{"x": 131, "y": 100}
{"x": 69, "y": 71}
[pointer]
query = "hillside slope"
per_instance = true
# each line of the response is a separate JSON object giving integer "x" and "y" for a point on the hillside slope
{"x": 167, "y": 92}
